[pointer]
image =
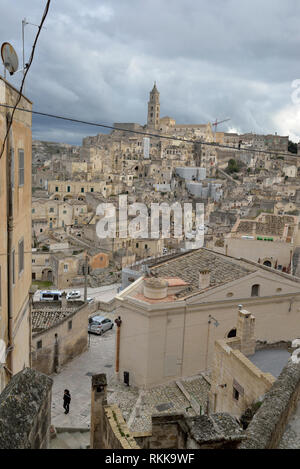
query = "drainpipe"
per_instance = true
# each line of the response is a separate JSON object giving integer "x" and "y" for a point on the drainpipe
{"x": 9, "y": 229}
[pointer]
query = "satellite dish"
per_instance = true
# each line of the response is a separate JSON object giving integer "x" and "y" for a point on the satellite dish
{"x": 9, "y": 58}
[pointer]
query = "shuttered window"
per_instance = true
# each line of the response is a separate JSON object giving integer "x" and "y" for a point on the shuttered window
{"x": 21, "y": 167}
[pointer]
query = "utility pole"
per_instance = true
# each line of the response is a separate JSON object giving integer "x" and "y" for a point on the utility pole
{"x": 86, "y": 267}
{"x": 118, "y": 322}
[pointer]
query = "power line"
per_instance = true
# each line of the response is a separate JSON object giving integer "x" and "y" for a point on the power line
{"x": 24, "y": 77}
{"x": 148, "y": 134}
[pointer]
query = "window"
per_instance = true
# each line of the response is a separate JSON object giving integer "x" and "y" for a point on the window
{"x": 236, "y": 394}
{"x": 66, "y": 268}
{"x": 51, "y": 209}
{"x": 68, "y": 189}
{"x": 21, "y": 256}
{"x": 64, "y": 212}
{"x": 69, "y": 325}
{"x": 21, "y": 167}
{"x": 255, "y": 290}
{"x": 39, "y": 344}
{"x": 33, "y": 210}
{"x": 92, "y": 189}
{"x": 232, "y": 333}
{"x": 56, "y": 189}
{"x": 82, "y": 189}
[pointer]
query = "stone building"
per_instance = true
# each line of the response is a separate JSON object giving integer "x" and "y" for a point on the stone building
{"x": 169, "y": 316}
{"x": 236, "y": 382}
{"x": 59, "y": 333}
{"x": 153, "y": 109}
{"x": 15, "y": 234}
{"x": 269, "y": 240}
{"x": 49, "y": 214}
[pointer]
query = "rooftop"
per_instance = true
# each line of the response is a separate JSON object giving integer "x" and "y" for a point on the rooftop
{"x": 271, "y": 361}
{"x": 223, "y": 269}
{"x": 45, "y": 317}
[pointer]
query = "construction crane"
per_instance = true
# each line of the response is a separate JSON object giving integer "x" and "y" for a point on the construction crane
{"x": 215, "y": 124}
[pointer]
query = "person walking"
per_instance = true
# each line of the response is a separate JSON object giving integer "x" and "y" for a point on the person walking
{"x": 67, "y": 400}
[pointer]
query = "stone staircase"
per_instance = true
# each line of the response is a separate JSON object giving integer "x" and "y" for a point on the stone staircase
{"x": 70, "y": 438}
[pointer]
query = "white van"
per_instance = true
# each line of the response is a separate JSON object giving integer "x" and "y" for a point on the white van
{"x": 50, "y": 295}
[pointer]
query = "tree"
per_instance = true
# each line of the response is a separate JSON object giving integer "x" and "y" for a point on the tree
{"x": 232, "y": 167}
{"x": 292, "y": 147}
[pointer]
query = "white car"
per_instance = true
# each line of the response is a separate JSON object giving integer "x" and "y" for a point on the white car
{"x": 73, "y": 295}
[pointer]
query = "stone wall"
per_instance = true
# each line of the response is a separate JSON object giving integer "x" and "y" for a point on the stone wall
{"x": 176, "y": 431}
{"x": 269, "y": 423}
{"x": 116, "y": 434}
{"x": 25, "y": 411}
{"x": 236, "y": 381}
{"x": 59, "y": 344}
{"x": 108, "y": 427}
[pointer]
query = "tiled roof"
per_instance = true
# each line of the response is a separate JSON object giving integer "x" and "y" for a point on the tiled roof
{"x": 187, "y": 266}
{"x": 43, "y": 319}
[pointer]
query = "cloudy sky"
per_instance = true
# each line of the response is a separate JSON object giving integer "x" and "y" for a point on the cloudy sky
{"x": 97, "y": 60}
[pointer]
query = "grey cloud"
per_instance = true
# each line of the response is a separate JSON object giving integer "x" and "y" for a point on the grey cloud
{"x": 98, "y": 60}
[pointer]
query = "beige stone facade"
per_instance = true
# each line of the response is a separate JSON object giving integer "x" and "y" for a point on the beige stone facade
{"x": 14, "y": 304}
{"x": 236, "y": 382}
{"x": 173, "y": 336}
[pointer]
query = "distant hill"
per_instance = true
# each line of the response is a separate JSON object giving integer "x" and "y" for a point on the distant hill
{"x": 42, "y": 151}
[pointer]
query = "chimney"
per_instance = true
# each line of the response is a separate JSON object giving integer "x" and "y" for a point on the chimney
{"x": 245, "y": 331}
{"x": 98, "y": 402}
{"x": 155, "y": 288}
{"x": 204, "y": 279}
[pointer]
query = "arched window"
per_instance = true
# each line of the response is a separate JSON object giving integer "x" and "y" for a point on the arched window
{"x": 255, "y": 290}
{"x": 267, "y": 264}
{"x": 232, "y": 333}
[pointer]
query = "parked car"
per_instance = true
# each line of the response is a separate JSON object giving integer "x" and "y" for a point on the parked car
{"x": 73, "y": 295}
{"x": 99, "y": 324}
{"x": 90, "y": 300}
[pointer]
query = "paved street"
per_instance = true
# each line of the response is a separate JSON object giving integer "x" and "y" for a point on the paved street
{"x": 105, "y": 293}
{"x": 136, "y": 405}
{"x": 76, "y": 376}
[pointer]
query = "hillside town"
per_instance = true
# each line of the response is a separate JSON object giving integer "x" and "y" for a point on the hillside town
{"x": 178, "y": 333}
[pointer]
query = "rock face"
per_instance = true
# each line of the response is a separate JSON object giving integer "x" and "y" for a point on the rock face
{"x": 43, "y": 151}
{"x": 25, "y": 411}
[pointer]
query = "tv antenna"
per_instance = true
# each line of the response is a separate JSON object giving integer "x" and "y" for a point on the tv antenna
{"x": 9, "y": 58}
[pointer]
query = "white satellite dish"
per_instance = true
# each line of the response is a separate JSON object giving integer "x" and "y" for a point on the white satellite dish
{"x": 2, "y": 352}
{"x": 9, "y": 58}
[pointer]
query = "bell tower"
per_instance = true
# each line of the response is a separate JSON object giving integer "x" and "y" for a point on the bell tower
{"x": 153, "y": 109}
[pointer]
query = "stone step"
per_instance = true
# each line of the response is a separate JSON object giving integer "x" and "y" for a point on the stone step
{"x": 71, "y": 440}
{"x": 57, "y": 443}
